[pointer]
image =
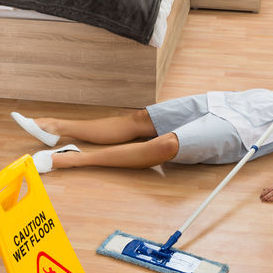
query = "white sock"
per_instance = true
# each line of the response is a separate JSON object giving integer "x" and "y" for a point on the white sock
{"x": 29, "y": 125}
{"x": 43, "y": 159}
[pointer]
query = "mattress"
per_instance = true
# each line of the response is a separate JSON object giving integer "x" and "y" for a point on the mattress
{"x": 157, "y": 38}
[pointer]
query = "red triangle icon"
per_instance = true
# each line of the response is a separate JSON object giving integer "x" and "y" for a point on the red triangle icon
{"x": 46, "y": 264}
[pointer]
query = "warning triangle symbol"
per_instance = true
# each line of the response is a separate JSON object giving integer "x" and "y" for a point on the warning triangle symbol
{"x": 46, "y": 264}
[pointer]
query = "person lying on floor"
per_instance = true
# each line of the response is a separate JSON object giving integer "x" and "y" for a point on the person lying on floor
{"x": 213, "y": 128}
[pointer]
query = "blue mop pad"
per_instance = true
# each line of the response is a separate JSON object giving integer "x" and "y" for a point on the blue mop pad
{"x": 132, "y": 249}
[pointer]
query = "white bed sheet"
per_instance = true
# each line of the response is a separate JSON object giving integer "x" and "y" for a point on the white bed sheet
{"x": 156, "y": 40}
{"x": 9, "y": 12}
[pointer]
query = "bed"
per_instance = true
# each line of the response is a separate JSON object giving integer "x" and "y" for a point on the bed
{"x": 52, "y": 59}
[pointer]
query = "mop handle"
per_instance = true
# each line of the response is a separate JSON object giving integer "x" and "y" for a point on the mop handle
{"x": 233, "y": 172}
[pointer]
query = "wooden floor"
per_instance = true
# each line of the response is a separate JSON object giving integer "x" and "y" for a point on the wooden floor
{"x": 219, "y": 51}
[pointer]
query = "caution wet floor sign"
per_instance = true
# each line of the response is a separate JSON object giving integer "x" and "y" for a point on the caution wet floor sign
{"x": 32, "y": 239}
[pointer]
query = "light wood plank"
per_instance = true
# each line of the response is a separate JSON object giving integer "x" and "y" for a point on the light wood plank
{"x": 71, "y": 62}
{"x": 222, "y": 51}
{"x": 244, "y": 5}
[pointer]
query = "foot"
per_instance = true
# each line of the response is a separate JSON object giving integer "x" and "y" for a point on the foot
{"x": 48, "y": 124}
{"x": 37, "y": 128}
{"x": 267, "y": 195}
{"x": 45, "y": 161}
{"x": 66, "y": 160}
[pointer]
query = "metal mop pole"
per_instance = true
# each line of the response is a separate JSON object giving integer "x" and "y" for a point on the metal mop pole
{"x": 174, "y": 238}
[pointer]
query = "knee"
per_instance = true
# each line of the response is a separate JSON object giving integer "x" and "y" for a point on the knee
{"x": 143, "y": 124}
{"x": 168, "y": 146}
{"x": 141, "y": 116}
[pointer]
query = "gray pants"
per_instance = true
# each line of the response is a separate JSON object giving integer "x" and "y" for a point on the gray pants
{"x": 202, "y": 136}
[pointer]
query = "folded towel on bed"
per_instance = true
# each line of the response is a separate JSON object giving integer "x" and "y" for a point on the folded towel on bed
{"x": 130, "y": 18}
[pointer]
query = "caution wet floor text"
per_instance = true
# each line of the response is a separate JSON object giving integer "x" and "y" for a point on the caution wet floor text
{"x": 32, "y": 238}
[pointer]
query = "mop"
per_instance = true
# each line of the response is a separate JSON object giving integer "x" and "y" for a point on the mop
{"x": 165, "y": 258}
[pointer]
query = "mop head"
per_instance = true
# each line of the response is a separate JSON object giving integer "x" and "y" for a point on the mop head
{"x": 140, "y": 251}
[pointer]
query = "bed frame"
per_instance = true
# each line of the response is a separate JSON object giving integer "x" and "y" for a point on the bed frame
{"x": 76, "y": 63}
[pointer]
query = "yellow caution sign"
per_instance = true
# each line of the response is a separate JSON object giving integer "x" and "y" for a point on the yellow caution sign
{"x": 32, "y": 239}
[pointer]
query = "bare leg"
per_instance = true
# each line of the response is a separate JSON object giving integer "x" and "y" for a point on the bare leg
{"x": 267, "y": 195}
{"x": 102, "y": 131}
{"x": 133, "y": 155}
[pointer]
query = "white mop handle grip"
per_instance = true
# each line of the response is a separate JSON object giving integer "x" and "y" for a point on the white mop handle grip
{"x": 227, "y": 178}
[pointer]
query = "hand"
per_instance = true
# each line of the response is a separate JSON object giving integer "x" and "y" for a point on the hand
{"x": 267, "y": 195}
